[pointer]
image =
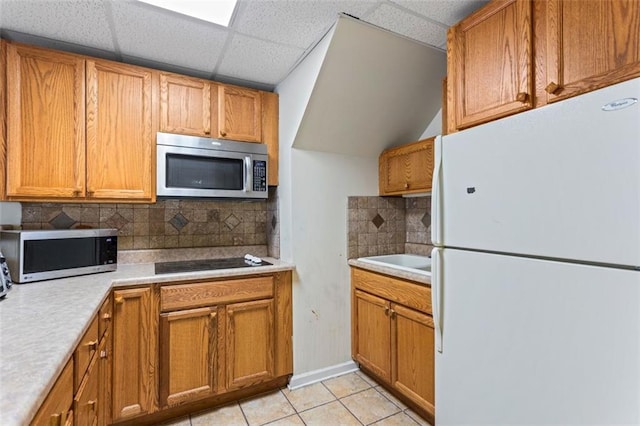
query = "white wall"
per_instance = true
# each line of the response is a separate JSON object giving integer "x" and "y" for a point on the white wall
{"x": 434, "y": 128}
{"x": 10, "y": 213}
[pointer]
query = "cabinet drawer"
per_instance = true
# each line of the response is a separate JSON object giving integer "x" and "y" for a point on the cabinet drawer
{"x": 55, "y": 408}
{"x": 215, "y": 292}
{"x": 105, "y": 316}
{"x": 407, "y": 293}
{"x": 84, "y": 352}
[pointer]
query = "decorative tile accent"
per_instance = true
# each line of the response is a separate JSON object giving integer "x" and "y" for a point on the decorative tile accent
{"x": 388, "y": 225}
{"x": 378, "y": 221}
{"x": 232, "y": 221}
{"x": 62, "y": 221}
{"x": 179, "y": 221}
{"x": 168, "y": 223}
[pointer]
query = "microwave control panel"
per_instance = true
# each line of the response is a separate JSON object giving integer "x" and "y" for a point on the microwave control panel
{"x": 259, "y": 176}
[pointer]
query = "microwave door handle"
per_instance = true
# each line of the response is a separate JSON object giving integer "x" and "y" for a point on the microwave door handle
{"x": 248, "y": 176}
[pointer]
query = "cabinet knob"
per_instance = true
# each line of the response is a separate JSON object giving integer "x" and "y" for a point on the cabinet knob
{"x": 92, "y": 405}
{"x": 207, "y": 132}
{"x": 106, "y": 317}
{"x": 119, "y": 300}
{"x": 92, "y": 345}
{"x": 522, "y": 97}
{"x": 553, "y": 88}
{"x": 386, "y": 311}
{"x": 406, "y": 185}
{"x": 223, "y": 133}
{"x": 103, "y": 353}
{"x": 55, "y": 420}
{"x": 77, "y": 192}
{"x": 393, "y": 314}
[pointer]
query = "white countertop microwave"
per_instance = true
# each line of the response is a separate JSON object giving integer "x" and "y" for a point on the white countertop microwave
{"x": 192, "y": 166}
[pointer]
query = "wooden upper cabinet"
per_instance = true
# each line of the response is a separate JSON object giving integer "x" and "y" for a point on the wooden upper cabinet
{"x": 185, "y": 105}
{"x": 3, "y": 121}
{"x": 239, "y": 112}
{"x": 188, "y": 355}
{"x": 406, "y": 169}
{"x": 46, "y": 131}
{"x": 489, "y": 61}
{"x": 270, "y": 133}
{"x": 120, "y": 137}
{"x": 589, "y": 45}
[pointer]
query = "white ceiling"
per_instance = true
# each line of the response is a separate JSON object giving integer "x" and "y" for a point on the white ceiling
{"x": 264, "y": 42}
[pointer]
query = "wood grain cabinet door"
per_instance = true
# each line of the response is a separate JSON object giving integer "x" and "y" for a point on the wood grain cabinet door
{"x": 45, "y": 116}
{"x": 185, "y": 105}
{"x": 120, "y": 141}
{"x": 489, "y": 60}
{"x": 406, "y": 169}
{"x": 250, "y": 343}
{"x": 371, "y": 343}
{"x": 590, "y": 44}
{"x": 133, "y": 384}
{"x": 413, "y": 355}
{"x": 188, "y": 355}
{"x": 239, "y": 113}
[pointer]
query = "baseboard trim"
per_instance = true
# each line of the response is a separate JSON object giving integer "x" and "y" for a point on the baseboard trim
{"x": 300, "y": 380}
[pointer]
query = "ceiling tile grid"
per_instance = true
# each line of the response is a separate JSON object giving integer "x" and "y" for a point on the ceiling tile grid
{"x": 79, "y": 21}
{"x": 265, "y": 41}
{"x": 408, "y": 24}
{"x": 257, "y": 60}
{"x": 162, "y": 36}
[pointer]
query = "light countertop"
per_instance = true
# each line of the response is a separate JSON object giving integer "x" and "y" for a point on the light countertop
{"x": 398, "y": 273}
{"x": 41, "y": 323}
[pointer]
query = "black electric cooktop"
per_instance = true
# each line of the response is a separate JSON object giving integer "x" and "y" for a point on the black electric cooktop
{"x": 205, "y": 265}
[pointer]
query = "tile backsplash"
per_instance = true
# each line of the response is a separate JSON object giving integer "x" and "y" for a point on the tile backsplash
{"x": 388, "y": 225}
{"x": 165, "y": 224}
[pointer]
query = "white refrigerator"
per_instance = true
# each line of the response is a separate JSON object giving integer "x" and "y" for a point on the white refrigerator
{"x": 536, "y": 265}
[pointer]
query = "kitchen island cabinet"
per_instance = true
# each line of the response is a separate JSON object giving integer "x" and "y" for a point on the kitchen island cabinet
{"x": 392, "y": 335}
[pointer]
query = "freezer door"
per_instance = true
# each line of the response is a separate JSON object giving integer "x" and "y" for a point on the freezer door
{"x": 537, "y": 342}
{"x": 562, "y": 181}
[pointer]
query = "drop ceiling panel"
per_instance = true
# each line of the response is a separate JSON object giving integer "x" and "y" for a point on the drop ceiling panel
{"x": 407, "y": 24}
{"x": 79, "y": 22}
{"x": 147, "y": 32}
{"x": 449, "y": 12}
{"x": 257, "y": 60}
{"x": 296, "y": 23}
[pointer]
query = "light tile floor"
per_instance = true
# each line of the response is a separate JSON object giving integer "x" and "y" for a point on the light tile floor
{"x": 351, "y": 399}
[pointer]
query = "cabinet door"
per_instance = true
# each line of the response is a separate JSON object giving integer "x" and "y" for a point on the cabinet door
{"x": 250, "y": 343}
{"x": 120, "y": 141}
{"x": 188, "y": 355}
{"x": 489, "y": 59}
{"x": 133, "y": 385}
{"x": 590, "y": 44}
{"x": 239, "y": 113}
{"x": 45, "y": 116}
{"x": 104, "y": 391}
{"x": 406, "y": 169}
{"x": 185, "y": 105}
{"x": 85, "y": 403}
{"x": 413, "y": 355}
{"x": 56, "y": 407}
{"x": 372, "y": 333}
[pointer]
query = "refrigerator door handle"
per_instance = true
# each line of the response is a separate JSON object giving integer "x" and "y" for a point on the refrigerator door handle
{"x": 435, "y": 193}
{"x": 436, "y": 294}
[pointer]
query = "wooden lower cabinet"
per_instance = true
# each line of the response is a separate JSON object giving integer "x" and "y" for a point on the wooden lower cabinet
{"x": 85, "y": 403}
{"x": 412, "y": 351}
{"x": 56, "y": 408}
{"x": 250, "y": 343}
{"x": 372, "y": 334}
{"x": 188, "y": 355}
{"x": 392, "y": 341}
{"x": 133, "y": 385}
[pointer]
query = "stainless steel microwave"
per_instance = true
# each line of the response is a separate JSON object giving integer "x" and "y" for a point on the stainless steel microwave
{"x": 191, "y": 166}
{"x": 36, "y": 255}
